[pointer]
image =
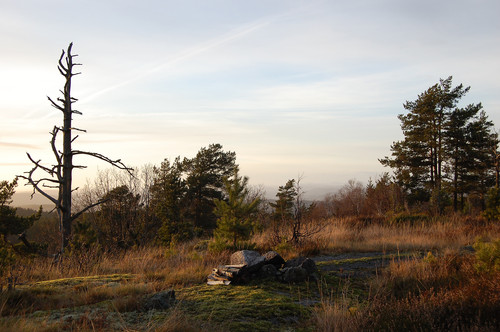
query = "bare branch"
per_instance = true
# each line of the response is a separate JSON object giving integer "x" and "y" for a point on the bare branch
{"x": 61, "y": 71}
{"x": 61, "y": 58}
{"x": 74, "y": 138}
{"x": 56, "y": 153}
{"x": 49, "y": 186}
{"x": 38, "y": 165}
{"x": 117, "y": 163}
{"x": 55, "y": 105}
{"x": 37, "y": 188}
{"x": 76, "y": 215}
{"x": 77, "y": 129}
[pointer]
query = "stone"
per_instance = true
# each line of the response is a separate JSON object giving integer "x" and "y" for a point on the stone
{"x": 306, "y": 263}
{"x": 160, "y": 301}
{"x": 272, "y": 257}
{"x": 268, "y": 271}
{"x": 246, "y": 257}
{"x": 294, "y": 274}
{"x": 252, "y": 259}
{"x": 246, "y": 265}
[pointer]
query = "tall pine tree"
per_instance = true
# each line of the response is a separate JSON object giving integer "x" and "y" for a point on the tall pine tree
{"x": 445, "y": 148}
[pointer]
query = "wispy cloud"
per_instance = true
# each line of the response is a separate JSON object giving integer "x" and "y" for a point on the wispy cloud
{"x": 18, "y": 145}
{"x": 198, "y": 49}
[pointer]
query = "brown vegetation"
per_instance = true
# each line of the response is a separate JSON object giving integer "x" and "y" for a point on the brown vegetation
{"x": 445, "y": 290}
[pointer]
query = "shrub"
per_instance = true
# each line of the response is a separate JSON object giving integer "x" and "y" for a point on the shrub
{"x": 404, "y": 218}
{"x": 487, "y": 255}
{"x": 492, "y": 211}
{"x": 7, "y": 258}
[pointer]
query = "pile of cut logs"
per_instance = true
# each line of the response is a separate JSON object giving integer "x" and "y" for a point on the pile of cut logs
{"x": 247, "y": 265}
{"x": 225, "y": 274}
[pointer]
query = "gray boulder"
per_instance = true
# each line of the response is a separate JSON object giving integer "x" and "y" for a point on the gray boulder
{"x": 272, "y": 257}
{"x": 252, "y": 259}
{"x": 294, "y": 274}
{"x": 303, "y": 262}
{"x": 292, "y": 270}
{"x": 268, "y": 271}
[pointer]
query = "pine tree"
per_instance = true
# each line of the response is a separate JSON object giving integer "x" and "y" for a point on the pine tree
{"x": 10, "y": 222}
{"x": 169, "y": 202}
{"x": 469, "y": 144}
{"x": 236, "y": 213}
{"x": 433, "y": 135}
{"x": 284, "y": 205}
{"x": 205, "y": 175}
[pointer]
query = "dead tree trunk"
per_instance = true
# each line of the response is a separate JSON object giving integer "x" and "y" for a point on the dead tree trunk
{"x": 61, "y": 174}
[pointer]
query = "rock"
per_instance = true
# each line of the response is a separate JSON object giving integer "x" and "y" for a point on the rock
{"x": 268, "y": 271}
{"x": 294, "y": 274}
{"x": 303, "y": 262}
{"x": 272, "y": 257}
{"x": 160, "y": 301}
{"x": 246, "y": 257}
{"x": 246, "y": 265}
{"x": 252, "y": 259}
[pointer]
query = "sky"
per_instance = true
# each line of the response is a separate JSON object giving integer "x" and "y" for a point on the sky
{"x": 295, "y": 88}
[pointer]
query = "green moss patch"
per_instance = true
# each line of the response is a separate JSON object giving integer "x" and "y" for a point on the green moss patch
{"x": 90, "y": 279}
{"x": 243, "y": 308}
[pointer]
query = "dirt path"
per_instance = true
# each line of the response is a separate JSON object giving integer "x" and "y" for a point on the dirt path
{"x": 360, "y": 265}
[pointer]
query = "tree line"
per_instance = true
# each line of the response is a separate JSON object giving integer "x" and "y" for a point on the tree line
{"x": 203, "y": 196}
{"x": 448, "y": 159}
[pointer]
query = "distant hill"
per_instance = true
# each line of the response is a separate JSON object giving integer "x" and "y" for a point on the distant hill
{"x": 312, "y": 191}
{"x": 23, "y": 199}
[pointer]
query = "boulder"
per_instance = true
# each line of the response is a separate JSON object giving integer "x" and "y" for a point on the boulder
{"x": 303, "y": 262}
{"x": 268, "y": 271}
{"x": 272, "y": 257}
{"x": 160, "y": 301}
{"x": 246, "y": 257}
{"x": 246, "y": 265}
{"x": 252, "y": 259}
{"x": 294, "y": 274}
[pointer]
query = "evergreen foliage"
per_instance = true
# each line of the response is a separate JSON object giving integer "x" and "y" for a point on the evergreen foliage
{"x": 10, "y": 222}
{"x": 446, "y": 150}
{"x": 284, "y": 205}
{"x": 205, "y": 175}
{"x": 236, "y": 213}
{"x": 169, "y": 204}
{"x": 492, "y": 211}
{"x": 119, "y": 217}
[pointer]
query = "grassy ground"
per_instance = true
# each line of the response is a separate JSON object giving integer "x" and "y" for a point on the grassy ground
{"x": 373, "y": 277}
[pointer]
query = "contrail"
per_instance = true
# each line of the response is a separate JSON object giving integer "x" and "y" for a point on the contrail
{"x": 198, "y": 49}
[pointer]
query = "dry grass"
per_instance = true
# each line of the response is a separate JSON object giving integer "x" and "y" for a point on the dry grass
{"x": 443, "y": 291}
{"x": 439, "y": 293}
{"x": 352, "y": 235}
{"x": 180, "y": 265}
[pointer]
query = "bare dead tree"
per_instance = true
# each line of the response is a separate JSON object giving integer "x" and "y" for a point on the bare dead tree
{"x": 60, "y": 175}
{"x": 302, "y": 226}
